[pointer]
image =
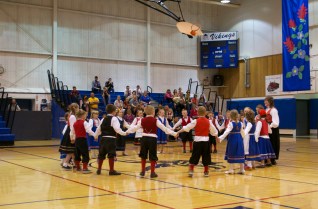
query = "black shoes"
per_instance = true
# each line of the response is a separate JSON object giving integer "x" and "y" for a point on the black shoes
{"x": 114, "y": 173}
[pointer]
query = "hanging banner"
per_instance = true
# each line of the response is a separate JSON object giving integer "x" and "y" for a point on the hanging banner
{"x": 296, "y": 66}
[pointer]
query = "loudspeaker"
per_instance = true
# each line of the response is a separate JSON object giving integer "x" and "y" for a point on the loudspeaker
{"x": 218, "y": 80}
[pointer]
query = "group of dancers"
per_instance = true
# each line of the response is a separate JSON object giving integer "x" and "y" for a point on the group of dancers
{"x": 248, "y": 141}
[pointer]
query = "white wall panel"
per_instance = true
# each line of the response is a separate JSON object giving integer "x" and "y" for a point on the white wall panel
{"x": 24, "y": 71}
{"x": 81, "y": 73}
{"x": 25, "y": 28}
{"x": 169, "y": 46}
{"x": 122, "y": 8}
{"x": 101, "y": 37}
{"x": 259, "y": 26}
{"x": 168, "y": 77}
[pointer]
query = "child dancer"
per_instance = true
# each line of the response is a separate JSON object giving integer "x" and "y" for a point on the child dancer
{"x": 172, "y": 124}
{"x": 121, "y": 140}
{"x": 67, "y": 144}
{"x": 201, "y": 146}
{"x": 212, "y": 140}
{"x": 149, "y": 125}
{"x": 108, "y": 128}
{"x": 81, "y": 127}
{"x": 253, "y": 149}
{"x": 235, "y": 147}
{"x": 258, "y": 108}
{"x": 65, "y": 133}
{"x": 162, "y": 136}
{"x": 138, "y": 134}
{"x": 185, "y": 136}
{"x": 265, "y": 147}
{"x": 94, "y": 122}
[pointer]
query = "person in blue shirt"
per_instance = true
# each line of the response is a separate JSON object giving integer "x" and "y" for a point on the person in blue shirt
{"x": 145, "y": 99}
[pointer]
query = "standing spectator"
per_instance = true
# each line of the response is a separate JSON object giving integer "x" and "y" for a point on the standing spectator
{"x": 187, "y": 99}
{"x": 145, "y": 99}
{"x": 119, "y": 104}
{"x": 194, "y": 100}
{"x": 180, "y": 92}
{"x": 168, "y": 96}
{"x": 110, "y": 85}
{"x": 85, "y": 105}
{"x": 127, "y": 92}
{"x": 202, "y": 100}
{"x": 96, "y": 88}
{"x": 273, "y": 119}
{"x": 93, "y": 102}
{"x": 194, "y": 111}
{"x": 75, "y": 95}
{"x": 105, "y": 96}
{"x": 138, "y": 91}
{"x": 14, "y": 106}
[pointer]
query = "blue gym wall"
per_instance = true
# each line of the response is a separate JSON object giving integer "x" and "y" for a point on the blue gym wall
{"x": 286, "y": 110}
{"x": 313, "y": 105}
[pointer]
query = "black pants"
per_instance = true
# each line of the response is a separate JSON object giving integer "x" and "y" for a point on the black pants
{"x": 121, "y": 143}
{"x": 81, "y": 150}
{"x": 212, "y": 140}
{"x": 186, "y": 136}
{"x": 148, "y": 146}
{"x": 201, "y": 149}
{"x": 107, "y": 146}
{"x": 275, "y": 140}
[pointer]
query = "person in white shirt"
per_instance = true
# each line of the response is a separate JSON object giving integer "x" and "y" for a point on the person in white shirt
{"x": 148, "y": 146}
{"x": 235, "y": 146}
{"x": 162, "y": 136}
{"x": 185, "y": 136}
{"x": 119, "y": 104}
{"x": 135, "y": 122}
{"x": 273, "y": 119}
{"x": 201, "y": 148}
{"x": 109, "y": 128}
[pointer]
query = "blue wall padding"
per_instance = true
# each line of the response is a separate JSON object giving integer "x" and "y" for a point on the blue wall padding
{"x": 58, "y": 122}
{"x": 286, "y": 110}
{"x": 313, "y": 112}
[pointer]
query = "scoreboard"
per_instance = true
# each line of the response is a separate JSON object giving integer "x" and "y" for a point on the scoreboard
{"x": 219, "y": 50}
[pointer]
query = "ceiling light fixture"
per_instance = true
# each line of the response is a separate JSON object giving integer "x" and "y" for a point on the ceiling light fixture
{"x": 225, "y": 1}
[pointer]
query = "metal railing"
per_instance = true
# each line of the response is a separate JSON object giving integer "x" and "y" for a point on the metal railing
{"x": 190, "y": 85}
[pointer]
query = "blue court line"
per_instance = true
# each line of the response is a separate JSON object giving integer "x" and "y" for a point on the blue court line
{"x": 180, "y": 185}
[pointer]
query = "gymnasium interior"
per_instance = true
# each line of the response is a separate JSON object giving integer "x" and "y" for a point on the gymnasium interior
{"x": 232, "y": 54}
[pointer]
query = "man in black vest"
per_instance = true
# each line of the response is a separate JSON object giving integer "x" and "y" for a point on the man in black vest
{"x": 108, "y": 128}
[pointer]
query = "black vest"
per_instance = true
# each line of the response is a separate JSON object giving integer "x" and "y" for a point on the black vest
{"x": 106, "y": 128}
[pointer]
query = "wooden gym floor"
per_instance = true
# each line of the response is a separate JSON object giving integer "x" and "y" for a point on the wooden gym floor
{"x": 31, "y": 177}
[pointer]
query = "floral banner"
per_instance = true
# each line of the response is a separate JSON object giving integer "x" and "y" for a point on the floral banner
{"x": 296, "y": 66}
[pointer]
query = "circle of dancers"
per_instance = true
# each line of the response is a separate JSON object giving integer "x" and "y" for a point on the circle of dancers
{"x": 252, "y": 137}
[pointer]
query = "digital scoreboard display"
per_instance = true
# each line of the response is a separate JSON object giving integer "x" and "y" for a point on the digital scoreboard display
{"x": 219, "y": 50}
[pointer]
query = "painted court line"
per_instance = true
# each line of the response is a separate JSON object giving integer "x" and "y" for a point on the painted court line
{"x": 117, "y": 193}
{"x": 222, "y": 193}
{"x": 52, "y": 200}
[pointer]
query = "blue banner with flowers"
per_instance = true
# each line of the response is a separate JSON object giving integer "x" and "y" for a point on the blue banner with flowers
{"x": 296, "y": 66}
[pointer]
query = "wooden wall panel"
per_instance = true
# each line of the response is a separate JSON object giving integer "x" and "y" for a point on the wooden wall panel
{"x": 234, "y": 79}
